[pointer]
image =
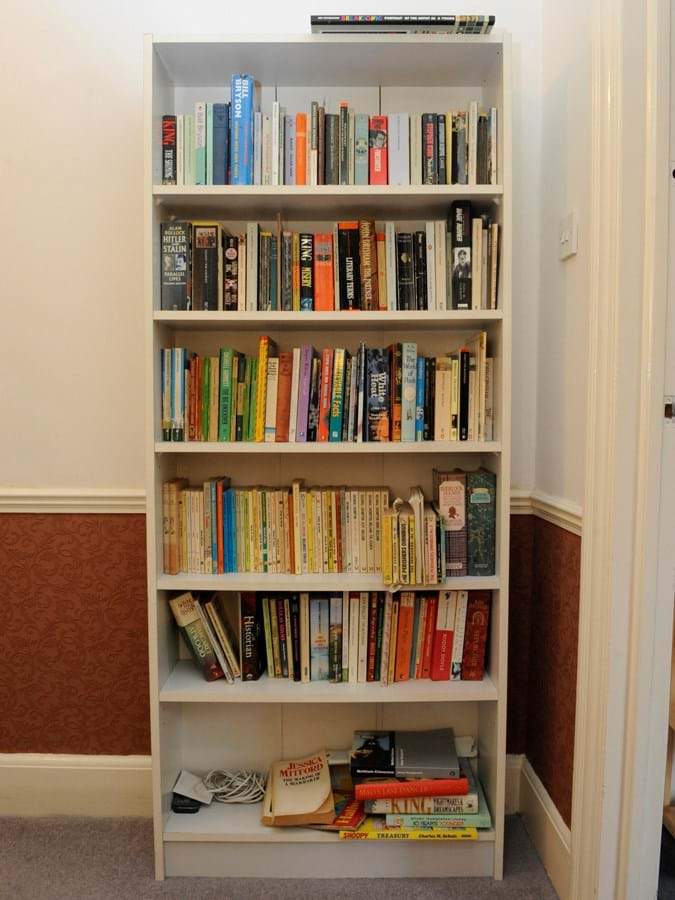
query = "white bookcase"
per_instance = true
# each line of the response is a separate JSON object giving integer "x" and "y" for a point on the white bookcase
{"x": 199, "y": 726}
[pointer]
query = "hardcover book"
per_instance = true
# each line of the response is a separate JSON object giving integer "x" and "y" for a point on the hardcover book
{"x": 368, "y": 265}
{"x": 221, "y": 142}
{"x": 475, "y": 635}
{"x": 241, "y": 144}
{"x": 176, "y": 240}
{"x": 481, "y": 521}
{"x": 399, "y": 148}
{"x": 459, "y": 225}
{"x": 450, "y": 494}
{"x": 189, "y": 620}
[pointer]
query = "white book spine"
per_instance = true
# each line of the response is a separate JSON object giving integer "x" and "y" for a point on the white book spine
{"x": 267, "y": 149}
{"x": 281, "y": 155}
{"x": 458, "y": 636}
{"x": 472, "y": 140}
{"x": 441, "y": 266}
{"x": 180, "y": 156}
{"x": 345, "y": 635}
{"x": 492, "y": 140}
{"x": 271, "y": 399}
{"x": 415, "y": 149}
{"x": 347, "y": 519}
{"x": 390, "y": 255}
{"x": 257, "y": 148}
{"x": 362, "y": 676}
{"x": 295, "y": 385}
{"x": 430, "y": 230}
{"x": 356, "y": 543}
{"x": 399, "y": 149}
{"x": 274, "y": 161}
{"x": 354, "y": 618}
{"x": 252, "y": 267}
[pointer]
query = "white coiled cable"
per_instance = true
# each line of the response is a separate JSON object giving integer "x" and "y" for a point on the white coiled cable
{"x": 235, "y": 787}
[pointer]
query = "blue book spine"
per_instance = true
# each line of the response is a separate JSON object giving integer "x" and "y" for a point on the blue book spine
{"x": 419, "y": 403}
{"x": 214, "y": 529}
{"x": 221, "y": 130}
{"x": 289, "y": 151}
{"x": 408, "y": 390}
{"x": 226, "y": 533}
{"x": 337, "y": 395}
{"x": 274, "y": 262}
{"x": 233, "y": 526}
{"x": 241, "y": 147}
{"x": 319, "y": 664}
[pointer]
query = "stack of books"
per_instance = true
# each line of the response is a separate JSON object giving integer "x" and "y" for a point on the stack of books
{"x": 349, "y": 637}
{"x": 236, "y": 143}
{"x": 355, "y": 265}
{"x": 215, "y": 529}
{"x": 302, "y": 395}
{"x": 414, "y": 787}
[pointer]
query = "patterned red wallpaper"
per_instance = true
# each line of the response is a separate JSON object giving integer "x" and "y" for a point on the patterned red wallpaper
{"x": 73, "y": 640}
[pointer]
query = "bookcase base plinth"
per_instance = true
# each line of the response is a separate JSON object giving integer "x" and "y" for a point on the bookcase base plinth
{"x": 334, "y": 859}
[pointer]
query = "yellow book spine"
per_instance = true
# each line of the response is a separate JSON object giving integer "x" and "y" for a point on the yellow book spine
{"x": 309, "y": 502}
{"x": 387, "y": 572}
{"x": 261, "y": 389}
{"x": 412, "y": 564}
{"x": 394, "y": 834}
{"x": 329, "y": 523}
{"x": 297, "y": 549}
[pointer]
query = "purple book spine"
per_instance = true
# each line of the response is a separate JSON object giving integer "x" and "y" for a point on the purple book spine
{"x": 306, "y": 356}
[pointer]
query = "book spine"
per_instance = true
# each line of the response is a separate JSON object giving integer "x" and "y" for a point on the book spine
{"x": 457, "y": 805}
{"x": 344, "y": 143}
{"x": 423, "y": 787}
{"x": 220, "y": 142}
{"x": 458, "y": 635}
{"x": 306, "y": 272}
{"x": 176, "y": 244}
{"x": 399, "y": 148}
{"x": 209, "y": 143}
{"x": 252, "y": 241}
{"x": 349, "y": 265}
{"x": 460, "y": 226}
{"x": 442, "y": 645}
{"x": 180, "y": 155}
{"x": 301, "y": 148}
{"x": 438, "y": 820}
{"x": 261, "y": 390}
{"x": 378, "y": 157}
{"x": 304, "y": 387}
{"x": 361, "y": 149}
{"x": 441, "y": 149}
{"x": 408, "y": 390}
{"x": 405, "y": 271}
{"x": 481, "y": 522}
{"x": 326, "y": 386}
{"x": 271, "y": 400}
{"x": 429, "y": 150}
{"x": 321, "y": 147}
{"x": 415, "y": 149}
{"x": 276, "y": 176}
{"x": 241, "y": 145}
{"x": 368, "y": 265}
{"x": 314, "y": 401}
{"x": 231, "y": 273}
{"x": 420, "y": 270}
{"x": 200, "y": 143}
{"x": 319, "y": 638}
{"x": 323, "y": 272}
{"x": 377, "y": 394}
{"x": 294, "y": 605}
{"x": 419, "y": 399}
{"x": 337, "y": 395}
{"x": 169, "y": 160}
{"x": 188, "y": 619}
{"x": 406, "y": 615}
{"x": 392, "y": 266}
{"x": 189, "y": 148}
{"x": 304, "y": 639}
{"x": 372, "y": 637}
{"x": 257, "y": 147}
{"x": 475, "y": 635}
{"x": 381, "y": 270}
{"x": 345, "y": 637}
{"x": 335, "y": 638}
{"x": 251, "y": 656}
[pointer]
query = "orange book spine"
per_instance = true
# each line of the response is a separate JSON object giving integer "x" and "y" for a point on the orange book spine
{"x": 422, "y": 787}
{"x": 323, "y": 273}
{"x": 173, "y": 529}
{"x": 166, "y": 560}
{"x": 301, "y": 148}
{"x": 284, "y": 396}
{"x": 406, "y": 618}
{"x": 381, "y": 270}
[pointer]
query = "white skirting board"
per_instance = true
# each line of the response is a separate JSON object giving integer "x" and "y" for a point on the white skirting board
{"x": 36, "y": 784}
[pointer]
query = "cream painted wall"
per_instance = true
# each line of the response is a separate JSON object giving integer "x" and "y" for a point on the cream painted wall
{"x": 562, "y": 304}
{"x": 71, "y": 174}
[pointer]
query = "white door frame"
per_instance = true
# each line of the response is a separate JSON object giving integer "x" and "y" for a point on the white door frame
{"x": 625, "y": 620}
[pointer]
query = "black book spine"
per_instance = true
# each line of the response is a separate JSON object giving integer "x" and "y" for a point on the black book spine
{"x": 176, "y": 240}
{"x": 464, "y": 365}
{"x": 332, "y": 149}
{"x": 431, "y": 409}
{"x": 349, "y": 262}
{"x": 294, "y": 604}
{"x": 405, "y": 271}
{"x": 426, "y": 434}
{"x": 251, "y": 635}
{"x": 205, "y": 266}
{"x": 231, "y": 279}
{"x": 420, "y": 266}
{"x": 283, "y": 625}
{"x": 314, "y": 401}
{"x": 429, "y": 149}
{"x": 347, "y": 381}
{"x": 306, "y": 272}
{"x": 321, "y": 147}
{"x": 287, "y": 271}
{"x": 442, "y": 151}
{"x": 482, "y": 150}
{"x": 344, "y": 143}
{"x": 168, "y": 149}
{"x": 460, "y": 229}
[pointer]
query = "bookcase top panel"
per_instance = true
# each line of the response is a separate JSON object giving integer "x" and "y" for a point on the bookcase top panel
{"x": 323, "y": 60}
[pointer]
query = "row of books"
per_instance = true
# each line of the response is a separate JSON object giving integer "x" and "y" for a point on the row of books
{"x": 474, "y": 24}
{"x": 352, "y": 637}
{"x": 235, "y": 143}
{"x": 215, "y": 529}
{"x": 358, "y": 266}
{"x": 301, "y": 395}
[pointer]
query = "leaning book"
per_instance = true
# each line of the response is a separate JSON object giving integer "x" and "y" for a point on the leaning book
{"x": 299, "y": 792}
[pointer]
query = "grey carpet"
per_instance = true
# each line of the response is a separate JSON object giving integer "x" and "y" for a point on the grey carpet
{"x": 111, "y": 859}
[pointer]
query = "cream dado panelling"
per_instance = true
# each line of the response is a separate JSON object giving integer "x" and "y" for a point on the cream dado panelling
{"x": 71, "y": 175}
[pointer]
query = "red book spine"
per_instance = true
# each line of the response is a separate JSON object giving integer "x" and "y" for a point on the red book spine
{"x": 326, "y": 386}
{"x": 406, "y": 619}
{"x": 301, "y": 148}
{"x": 424, "y": 787}
{"x": 323, "y": 273}
{"x": 372, "y": 636}
{"x": 441, "y": 653}
{"x": 429, "y": 631}
{"x": 378, "y": 160}
{"x": 475, "y": 635}
{"x": 284, "y": 396}
{"x": 219, "y": 526}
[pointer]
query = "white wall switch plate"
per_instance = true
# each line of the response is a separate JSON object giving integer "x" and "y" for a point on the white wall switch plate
{"x": 569, "y": 235}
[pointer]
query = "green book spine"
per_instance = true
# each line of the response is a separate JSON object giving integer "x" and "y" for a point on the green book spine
{"x": 268, "y": 636}
{"x": 480, "y": 521}
{"x": 337, "y": 395}
{"x": 252, "y": 394}
{"x": 209, "y": 143}
{"x": 200, "y": 143}
{"x": 206, "y": 393}
{"x": 189, "y": 149}
{"x": 241, "y": 394}
{"x": 225, "y": 405}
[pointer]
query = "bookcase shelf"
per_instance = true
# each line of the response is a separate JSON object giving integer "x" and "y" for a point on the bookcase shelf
{"x": 253, "y": 581}
{"x": 456, "y": 319}
{"x": 186, "y": 685}
{"x": 200, "y": 726}
{"x": 261, "y": 201}
{"x": 328, "y": 448}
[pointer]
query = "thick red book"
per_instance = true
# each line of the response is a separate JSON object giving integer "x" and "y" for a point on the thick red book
{"x": 406, "y": 621}
{"x": 324, "y": 399}
{"x": 379, "y": 154}
{"x": 429, "y": 632}
{"x": 475, "y": 635}
{"x": 301, "y": 148}
{"x": 441, "y": 653}
{"x": 284, "y": 396}
{"x": 424, "y": 787}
